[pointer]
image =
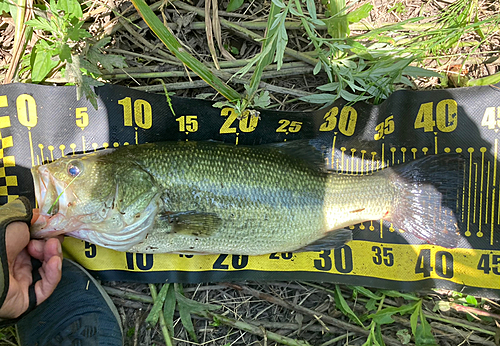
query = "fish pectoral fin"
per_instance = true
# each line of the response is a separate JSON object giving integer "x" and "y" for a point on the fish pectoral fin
{"x": 198, "y": 224}
{"x": 332, "y": 240}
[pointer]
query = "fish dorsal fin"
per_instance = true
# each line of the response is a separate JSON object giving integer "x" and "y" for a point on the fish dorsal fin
{"x": 306, "y": 150}
{"x": 198, "y": 224}
{"x": 332, "y": 240}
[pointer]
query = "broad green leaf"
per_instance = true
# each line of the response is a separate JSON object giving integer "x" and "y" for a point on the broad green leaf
{"x": 337, "y": 24}
{"x": 89, "y": 66}
{"x": 42, "y": 65}
{"x": 352, "y": 97}
{"x": 319, "y": 98}
{"x": 187, "y": 306}
{"x": 268, "y": 50}
{"x": 415, "y": 71}
{"x": 471, "y": 300}
{"x": 421, "y": 331}
{"x": 488, "y": 80}
{"x": 185, "y": 314}
{"x": 4, "y": 7}
{"x": 53, "y": 7}
{"x": 41, "y": 24}
{"x": 396, "y": 65}
{"x": 317, "y": 68}
{"x": 424, "y": 336}
{"x": 378, "y": 335}
{"x": 349, "y": 63}
{"x": 357, "y": 48}
{"x": 280, "y": 46}
{"x": 262, "y": 100}
{"x": 353, "y": 86}
{"x": 234, "y": 5}
{"x": 384, "y": 316}
{"x": 154, "y": 314}
{"x": 76, "y": 34}
{"x": 278, "y": 3}
{"x": 71, "y": 8}
{"x": 169, "y": 308}
{"x": 193, "y": 305}
{"x": 102, "y": 42}
{"x": 221, "y": 104}
{"x": 372, "y": 339}
{"x": 341, "y": 304}
{"x": 65, "y": 53}
{"x": 403, "y": 80}
{"x": 329, "y": 87}
{"x": 365, "y": 291}
{"x": 317, "y": 22}
{"x": 311, "y": 8}
{"x": 359, "y": 13}
{"x": 110, "y": 61}
{"x": 371, "y": 304}
{"x": 85, "y": 87}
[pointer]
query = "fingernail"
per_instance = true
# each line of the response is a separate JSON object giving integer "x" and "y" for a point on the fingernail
{"x": 59, "y": 248}
{"x": 59, "y": 265}
{"x": 38, "y": 245}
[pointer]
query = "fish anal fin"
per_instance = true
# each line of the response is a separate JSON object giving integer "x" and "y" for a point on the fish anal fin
{"x": 332, "y": 240}
{"x": 198, "y": 224}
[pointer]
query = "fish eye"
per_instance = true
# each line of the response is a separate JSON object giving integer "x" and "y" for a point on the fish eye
{"x": 74, "y": 168}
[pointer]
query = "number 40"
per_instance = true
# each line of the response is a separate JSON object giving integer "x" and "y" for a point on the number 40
{"x": 446, "y": 116}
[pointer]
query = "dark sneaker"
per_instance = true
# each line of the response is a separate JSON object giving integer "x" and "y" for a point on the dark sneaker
{"x": 78, "y": 313}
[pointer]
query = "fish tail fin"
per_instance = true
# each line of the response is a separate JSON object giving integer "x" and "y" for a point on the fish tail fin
{"x": 427, "y": 206}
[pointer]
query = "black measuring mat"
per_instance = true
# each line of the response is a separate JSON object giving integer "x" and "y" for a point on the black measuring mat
{"x": 39, "y": 124}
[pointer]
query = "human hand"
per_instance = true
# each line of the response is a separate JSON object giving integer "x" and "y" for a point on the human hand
{"x": 20, "y": 249}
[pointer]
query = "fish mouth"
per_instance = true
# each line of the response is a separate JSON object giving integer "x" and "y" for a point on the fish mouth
{"x": 53, "y": 198}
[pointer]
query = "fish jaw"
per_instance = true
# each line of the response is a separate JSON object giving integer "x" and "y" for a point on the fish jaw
{"x": 51, "y": 194}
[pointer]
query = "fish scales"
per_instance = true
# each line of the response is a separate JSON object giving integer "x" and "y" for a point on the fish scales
{"x": 209, "y": 197}
{"x": 266, "y": 200}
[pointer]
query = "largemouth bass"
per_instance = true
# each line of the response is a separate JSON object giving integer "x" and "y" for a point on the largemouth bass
{"x": 209, "y": 197}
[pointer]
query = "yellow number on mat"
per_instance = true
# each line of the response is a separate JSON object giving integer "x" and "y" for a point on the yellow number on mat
{"x": 346, "y": 122}
{"x": 26, "y": 110}
{"x": 82, "y": 117}
{"x": 143, "y": 114}
{"x": 446, "y": 116}
{"x": 188, "y": 123}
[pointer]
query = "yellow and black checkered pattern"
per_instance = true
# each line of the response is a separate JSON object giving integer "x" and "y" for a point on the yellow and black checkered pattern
{"x": 6, "y": 180}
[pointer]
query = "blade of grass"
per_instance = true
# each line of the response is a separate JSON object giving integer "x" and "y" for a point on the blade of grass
{"x": 338, "y": 25}
{"x": 268, "y": 50}
{"x": 21, "y": 33}
{"x": 154, "y": 314}
{"x": 341, "y": 304}
{"x": 493, "y": 79}
{"x": 180, "y": 52}
{"x": 163, "y": 325}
